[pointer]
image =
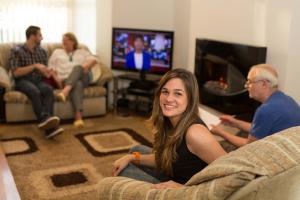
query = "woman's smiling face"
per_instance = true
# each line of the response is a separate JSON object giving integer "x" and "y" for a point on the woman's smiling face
{"x": 173, "y": 99}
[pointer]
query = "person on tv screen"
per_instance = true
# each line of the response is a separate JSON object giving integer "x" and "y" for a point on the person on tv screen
{"x": 138, "y": 58}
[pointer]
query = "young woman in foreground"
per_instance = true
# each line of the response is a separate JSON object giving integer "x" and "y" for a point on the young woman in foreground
{"x": 182, "y": 145}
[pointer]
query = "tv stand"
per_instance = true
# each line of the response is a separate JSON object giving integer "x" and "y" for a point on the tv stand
{"x": 142, "y": 75}
{"x": 137, "y": 87}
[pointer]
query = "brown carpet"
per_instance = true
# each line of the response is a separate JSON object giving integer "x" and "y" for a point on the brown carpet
{"x": 71, "y": 165}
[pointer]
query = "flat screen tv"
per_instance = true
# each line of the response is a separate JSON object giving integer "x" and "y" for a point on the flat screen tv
{"x": 140, "y": 50}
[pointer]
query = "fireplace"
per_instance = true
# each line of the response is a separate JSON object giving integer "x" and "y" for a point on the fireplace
{"x": 221, "y": 69}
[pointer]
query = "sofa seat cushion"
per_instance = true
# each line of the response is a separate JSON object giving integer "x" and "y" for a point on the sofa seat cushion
{"x": 18, "y": 97}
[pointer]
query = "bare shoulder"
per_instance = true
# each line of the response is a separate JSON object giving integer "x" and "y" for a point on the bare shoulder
{"x": 198, "y": 133}
{"x": 203, "y": 144}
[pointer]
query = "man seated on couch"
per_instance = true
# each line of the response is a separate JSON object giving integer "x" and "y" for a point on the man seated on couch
{"x": 28, "y": 66}
{"x": 276, "y": 113}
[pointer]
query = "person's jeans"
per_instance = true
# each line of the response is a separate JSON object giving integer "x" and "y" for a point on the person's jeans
{"x": 140, "y": 172}
{"x": 78, "y": 80}
{"x": 40, "y": 94}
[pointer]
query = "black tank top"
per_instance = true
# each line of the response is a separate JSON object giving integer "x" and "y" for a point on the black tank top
{"x": 187, "y": 163}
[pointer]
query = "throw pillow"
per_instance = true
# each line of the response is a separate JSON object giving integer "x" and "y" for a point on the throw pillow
{"x": 95, "y": 74}
{"x": 5, "y": 80}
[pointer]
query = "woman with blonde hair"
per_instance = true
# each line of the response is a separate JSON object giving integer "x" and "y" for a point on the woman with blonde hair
{"x": 182, "y": 145}
{"x": 72, "y": 72}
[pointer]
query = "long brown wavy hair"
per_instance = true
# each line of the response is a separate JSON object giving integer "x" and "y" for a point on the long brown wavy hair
{"x": 166, "y": 137}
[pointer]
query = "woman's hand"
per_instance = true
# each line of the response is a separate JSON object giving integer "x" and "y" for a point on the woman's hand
{"x": 168, "y": 184}
{"x": 42, "y": 69}
{"x": 121, "y": 163}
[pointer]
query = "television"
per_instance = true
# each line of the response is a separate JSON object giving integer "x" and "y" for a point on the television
{"x": 156, "y": 45}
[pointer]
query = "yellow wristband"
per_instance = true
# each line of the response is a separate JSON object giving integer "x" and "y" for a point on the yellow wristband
{"x": 137, "y": 156}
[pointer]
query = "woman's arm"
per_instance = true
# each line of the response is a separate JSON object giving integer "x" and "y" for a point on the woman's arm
{"x": 145, "y": 159}
{"x": 58, "y": 81}
{"x": 89, "y": 60}
{"x": 88, "y": 64}
{"x": 203, "y": 144}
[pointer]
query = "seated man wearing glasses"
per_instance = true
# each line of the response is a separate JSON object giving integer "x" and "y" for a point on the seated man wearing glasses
{"x": 276, "y": 113}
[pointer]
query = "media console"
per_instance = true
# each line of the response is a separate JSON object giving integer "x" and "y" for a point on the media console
{"x": 137, "y": 87}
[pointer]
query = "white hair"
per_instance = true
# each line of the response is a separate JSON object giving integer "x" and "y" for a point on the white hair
{"x": 266, "y": 72}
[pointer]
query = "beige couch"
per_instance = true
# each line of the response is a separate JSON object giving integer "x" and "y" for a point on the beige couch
{"x": 18, "y": 107}
{"x": 266, "y": 169}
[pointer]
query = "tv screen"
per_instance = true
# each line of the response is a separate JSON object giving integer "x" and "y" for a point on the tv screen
{"x": 149, "y": 51}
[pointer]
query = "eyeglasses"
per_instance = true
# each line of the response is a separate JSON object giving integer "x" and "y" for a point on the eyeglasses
{"x": 248, "y": 82}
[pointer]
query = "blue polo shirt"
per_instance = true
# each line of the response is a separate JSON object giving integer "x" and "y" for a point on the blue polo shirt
{"x": 279, "y": 112}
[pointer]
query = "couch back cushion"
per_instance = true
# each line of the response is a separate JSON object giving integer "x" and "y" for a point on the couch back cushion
{"x": 5, "y": 53}
{"x": 5, "y": 50}
{"x": 267, "y": 157}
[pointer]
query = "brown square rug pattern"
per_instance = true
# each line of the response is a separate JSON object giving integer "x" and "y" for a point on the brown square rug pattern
{"x": 71, "y": 165}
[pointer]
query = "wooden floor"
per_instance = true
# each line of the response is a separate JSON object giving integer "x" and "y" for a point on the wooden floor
{"x": 8, "y": 189}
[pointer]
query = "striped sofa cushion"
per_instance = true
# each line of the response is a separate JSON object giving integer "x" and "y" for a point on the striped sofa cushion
{"x": 267, "y": 157}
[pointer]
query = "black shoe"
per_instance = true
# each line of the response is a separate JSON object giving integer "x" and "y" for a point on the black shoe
{"x": 48, "y": 123}
{"x": 50, "y": 133}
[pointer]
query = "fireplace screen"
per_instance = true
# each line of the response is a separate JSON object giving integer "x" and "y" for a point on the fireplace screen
{"x": 221, "y": 70}
{"x": 223, "y": 78}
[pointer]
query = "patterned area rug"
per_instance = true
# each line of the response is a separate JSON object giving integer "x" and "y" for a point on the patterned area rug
{"x": 71, "y": 165}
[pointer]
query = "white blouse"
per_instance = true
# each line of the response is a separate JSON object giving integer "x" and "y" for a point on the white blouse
{"x": 63, "y": 63}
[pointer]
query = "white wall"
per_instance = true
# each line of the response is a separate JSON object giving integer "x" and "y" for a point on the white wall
{"x": 104, "y": 30}
{"x": 278, "y": 25}
{"x": 232, "y": 21}
{"x": 292, "y": 69}
{"x": 144, "y": 14}
{"x": 84, "y": 22}
{"x": 275, "y": 24}
{"x": 181, "y": 32}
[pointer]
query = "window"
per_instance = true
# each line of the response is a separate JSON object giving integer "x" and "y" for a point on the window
{"x": 53, "y": 16}
{"x": 84, "y": 22}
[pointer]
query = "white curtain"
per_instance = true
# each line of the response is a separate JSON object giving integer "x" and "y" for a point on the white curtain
{"x": 52, "y": 16}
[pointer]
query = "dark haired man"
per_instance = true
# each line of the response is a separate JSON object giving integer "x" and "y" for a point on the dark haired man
{"x": 28, "y": 64}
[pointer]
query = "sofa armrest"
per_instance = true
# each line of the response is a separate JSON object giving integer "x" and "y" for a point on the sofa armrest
{"x": 4, "y": 79}
{"x": 282, "y": 186}
{"x": 119, "y": 188}
{"x": 106, "y": 74}
{"x": 122, "y": 188}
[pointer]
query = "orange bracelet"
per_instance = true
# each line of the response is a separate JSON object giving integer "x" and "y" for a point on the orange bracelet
{"x": 137, "y": 156}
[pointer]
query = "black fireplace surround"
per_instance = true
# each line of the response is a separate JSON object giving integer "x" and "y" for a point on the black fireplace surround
{"x": 221, "y": 70}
